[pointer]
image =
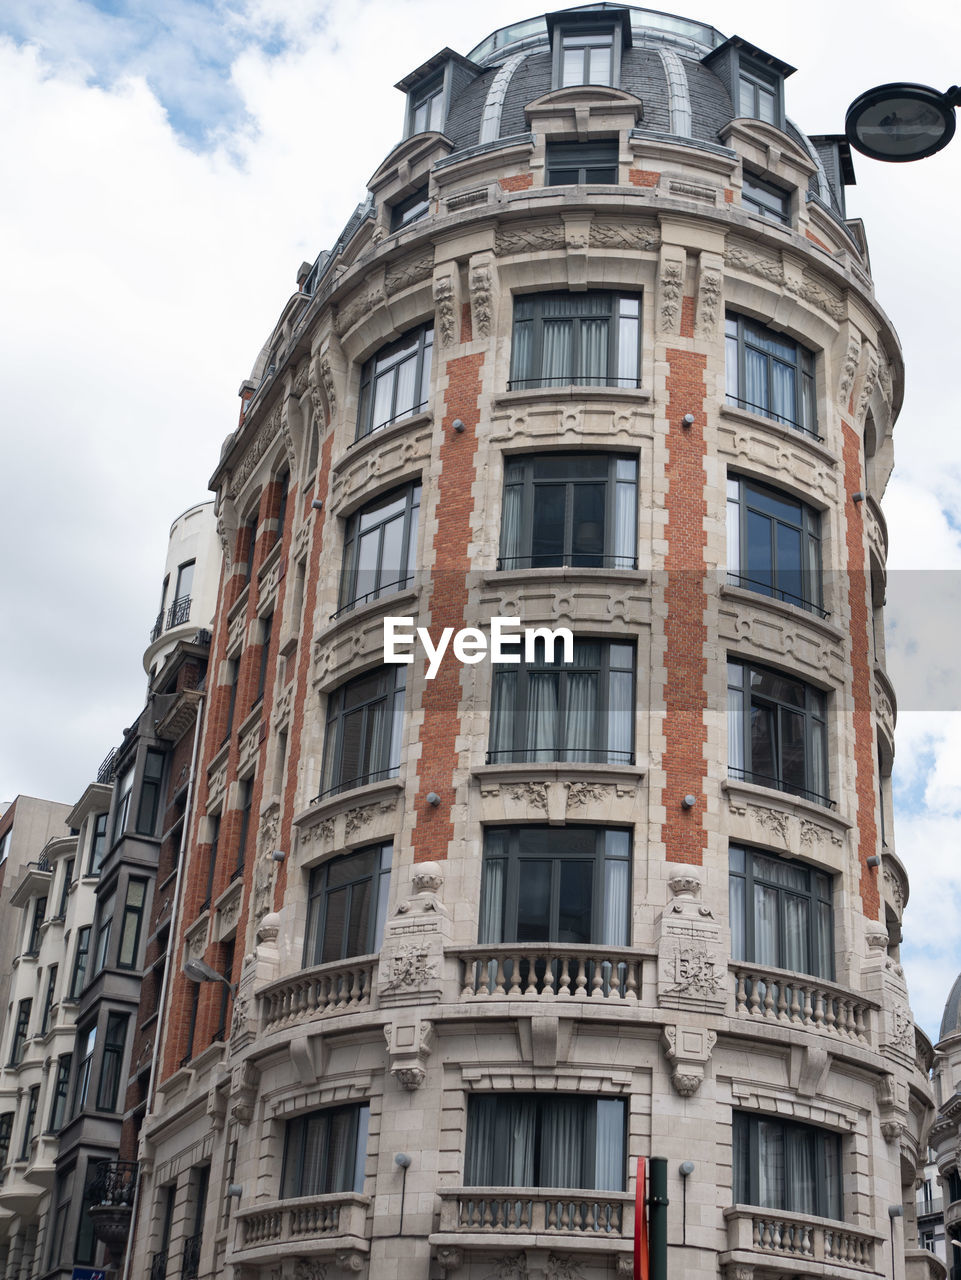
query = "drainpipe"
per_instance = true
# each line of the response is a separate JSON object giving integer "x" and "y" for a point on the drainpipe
{"x": 174, "y": 918}
{"x": 658, "y": 1202}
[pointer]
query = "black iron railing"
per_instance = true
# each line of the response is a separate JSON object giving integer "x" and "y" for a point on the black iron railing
{"x": 191, "y": 1262}
{"x": 567, "y": 560}
{"x": 114, "y": 1182}
{"x": 791, "y": 788}
{"x": 778, "y": 593}
{"x": 157, "y": 627}
{"x": 106, "y": 768}
{"x": 386, "y": 589}
{"x": 158, "y": 1265}
{"x": 765, "y": 411}
{"x": 179, "y": 612}
{"x": 569, "y": 755}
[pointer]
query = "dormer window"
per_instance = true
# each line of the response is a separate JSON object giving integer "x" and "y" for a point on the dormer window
{"x": 753, "y": 78}
{"x": 587, "y": 46}
{"x": 427, "y": 108}
{"x": 570, "y": 163}
{"x": 587, "y": 57}
{"x": 757, "y": 94}
{"x": 430, "y": 88}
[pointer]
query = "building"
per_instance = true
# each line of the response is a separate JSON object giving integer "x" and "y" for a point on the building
{"x": 940, "y": 1224}
{"x": 459, "y": 941}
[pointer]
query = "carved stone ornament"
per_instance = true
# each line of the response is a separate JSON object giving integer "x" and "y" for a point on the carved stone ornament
{"x": 513, "y": 1266}
{"x": 738, "y": 1271}
{"x": 625, "y": 1265}
{"x": 532, "y": 793}
{"x": 409, "y": 1078}
{"x": 411, "y": 967}
{"x": 562, "y": 1267}
{"x": 685, "y": 886}
{"x": 481, "y": 278}
{"x": 410, "y": 271}
{"x": 359, "y": 307}
{"x": 427, "y": 878}
{"x": 686, "y": 1083}
{"x": 696, "y": 972}
{"x": 672, "y": 280}
{"x": 584, "y": 793}
{"x": 902, "y": 1029}
{"x": 444, "y": 302}
{"x": 225, "y": 542}
{"x": 449, "y": 1257}
{"x": 776, "y": 821}
{"x": 330, "y": 389}
{"x": 237, "y": 1023}
{"x": 527, "y": 239}
{"x": 261, "y": 444}
{"x": 892, "y": 1130}
{"x": 623, "y": 235}
{"x": 849, "y": 368}
{"x": 709, "y": 288}
{"x": 876, "y": 937}
{"x": 309, "y": 1269}
{"x": 867, "y": 389}
{"x": 755, "y": 264}
{"x": 349, "y": 1259}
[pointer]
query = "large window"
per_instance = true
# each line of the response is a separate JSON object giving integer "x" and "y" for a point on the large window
{"x": 347, "y": 905}
{"x": 131, "y": 924}
{"x": 556, "y": 884}
{"x": 758, "y": 94}
{"x": 36, "y": 924}
{"x": 776, "y": 731}
{"x": 766, "y": 199}
{"x": 153, "y": 772}
{"x": 380, "y": 546}
{"x": 533, "y": 1140}
{"x": 582, "y": 339}
{"x": 396, "y": 382}
{"x": 773, "y": 544}
{"x": 770, "y": 374}
{"x": 58, "y": 1107}
{"x": 325, "y": 1152}
{"x": 104, "y": 926}
{"x": 781, "y": 914}
{"x": 86, "y": 1043}
{"x": 364, "y": 723}
{"x": 411, "y": 209}
{"x": 577, "y": 509}
{"x": 6, "y": 1132}
{"x": 65, "y": 887}
{"x": 49, "y": 999}
{"x": 81, "y": 958}
{"x": 427, "y": 107}
{"x": 246, "y": 798}
{"x": 99, "y": 844}
{"x": 587, "y": 57}
{"x": 581, "y": 163}
{"x": 124, "y": 788}
{"x": 33, "y": 1102}
{"x": 21, "y": 1027}
{"x": 114, "y": 1043}
{"x": 546, "y": 710}
{"x": 779, "y": 1164}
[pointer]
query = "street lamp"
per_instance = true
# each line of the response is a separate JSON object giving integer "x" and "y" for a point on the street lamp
{"x": 899, "y": 122}
{"x": 200, "y": 971}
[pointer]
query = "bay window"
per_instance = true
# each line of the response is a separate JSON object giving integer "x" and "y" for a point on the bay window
{"x": 780, "y": 913}
{"x": 769, "y": 374}
{"x": 395, "y": 383}
{"x": 546, "y": 710}
{"x": 347, "y": 905}
{"x": 777, "y": 731}
{"x": 536, "y": 1140}
{"x": 364, "y": 724}
{"x": 590, "y": 339}
{"x": 325, "y": 1152}
{"x": 780, "y": 1164}
{"x": 576, "y": 509}
{"x": 380, "y": 547}
{"x": 773, "y": 544}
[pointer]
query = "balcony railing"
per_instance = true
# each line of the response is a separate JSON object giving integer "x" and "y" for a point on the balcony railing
{"x": 114, "y": 1182}
{"x": 158, "y": 1265}
{"x": 191, "y": 1257}
{"x": 778, "y": 995}
{"x": 176, "y": 616}
{"x": 311, "y": 1218}
{"x": 328, "y": 989}
{"x": 546, "y": 1211}
{"x": 515, "y": 970}
{"x": 800, "y": 1237}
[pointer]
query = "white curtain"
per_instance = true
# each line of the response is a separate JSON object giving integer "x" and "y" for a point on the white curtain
{"x": 557, "y": 362}
{"x": 503, "y": 703}
{"x": 581, "y": 731}
{"x": 541, "y": 734}
{"x": 511, "y": 527}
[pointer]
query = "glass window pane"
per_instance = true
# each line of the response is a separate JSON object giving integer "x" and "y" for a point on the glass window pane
{"x": 770, "y": 1165}
{"x": 547, "y": 536}
{"x": 534, "y": 901}
{"x": 576, "y": 901}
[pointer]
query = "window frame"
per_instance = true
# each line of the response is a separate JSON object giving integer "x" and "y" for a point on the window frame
{"x": 297, "y": 1132}
{"x": 60, "y": 1093}
{"x": 320, "y": 891}
{"x": 815, "y": 718}
{"x": 355, "y": 539}
{"x": 412, "y": 208}
{"x": 69, "y": 865}
{"x": 246, "y": 795}
{"x": 98, "y": 843}
{"x": 750, "y": 76}
{"x": 386, "y": 363}
{"x": 739, "y": 330}
{"x": 81, "y": 959}
{"x": 740, "y": 488}
{"x": 266, "y": 631}
{"x": 111, "y": 1061}
{"x": 571, "y": 34}
{"x": 151, "y": 790}
{"x": 585, "y": 159}
{"x": 122, "y": 810}
{"x": 86, "y": 1048}
{"x": 819, "y": 893}
{"x": 765, "y": 199}
{"x": 524, "y": 467}
{"x": 132, "y": 912}
{"x": 393, "y": 679}
{"x": 105, "y": 913}
{"x": 6, "y": 1137}
{"x": 33, "y": 1106}
{"x": 36, "y": 923}
{"x": 747, "y": 1164}
{"x": 619, "y": 316}
{"x": 432, "y": 90}
{"x": 21, "y": 1031}
{"x": 49, "y": 1001}
{"x": 283, "y": 479}
{"x": 520, "y": 704}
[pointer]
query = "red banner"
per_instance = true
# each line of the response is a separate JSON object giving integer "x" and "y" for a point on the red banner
{"x": 641, "y": 1256}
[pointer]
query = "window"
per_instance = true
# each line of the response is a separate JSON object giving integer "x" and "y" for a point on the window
{"x": 33, "y": 1101}
{"x": 266, "y": 627}
{"x": 284, "y": 482}
{"x": 779, "y": 1164}
{"x": 124, "y": 788}
{"x": 577, "y": 509}
{"x": 530, "y": 1140}
{"x": 245, "y": 797}
{"x": 396, "y": 383}
{"x": 190, "y": 1266}
{"x": 412, "y": 209}
{"x": 781, "y": 914}
{"x": 250, "y": 530}
{"x": 79, "y": 977}
{"x": 364, "y": 722}
{"x": 86, "y": 1043}
{"x": 180, "y": 609}
{"x": 233, "y": 669}
{"x": 227, "y": 967}
{"x": 4, "y": 850}
{"x": 99, "y": 845}
{"x": 325, "y": 1152}
{"x": 58, "y": 1108}
{"x": 776, "y": 731}
{"x": 556, "y": 884}
{"x": 39, "y": 913}
{"x": 65, "y": 887}
{"x": 758, "y": 94}
{"x": 114, "y": 1043}
{"x": 130, "y": 928}
{"x": 583, "y": 163}
{"x": 773, "y": 544}
{"x": 427, "y": 108}
{"x": 153, "y": 772}
{"x": 6, "y": 1132}
{"x": 104, "y": 922}
{"x": 584, "y": 712}
{"x": 212, "y": 859}
{"x": 380, "y": 547}
{"x": 770, "y": 375}
{"x": 49, "y": 1000}
{"x": 20, "y": 1031}
{"x": 347, "y": 905}
{"x": 582, "y": 339}
{"x": 586, "y": 57}
{"x": 766, "y": 199}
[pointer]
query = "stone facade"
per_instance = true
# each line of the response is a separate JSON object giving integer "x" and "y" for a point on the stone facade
{"x": 693, "y": 1039}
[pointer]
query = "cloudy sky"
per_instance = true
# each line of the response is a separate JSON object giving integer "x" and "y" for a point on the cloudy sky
{"x": 166, "y": 167}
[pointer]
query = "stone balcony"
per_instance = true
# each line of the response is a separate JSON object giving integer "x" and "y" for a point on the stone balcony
{"x": 922, "y": 1264}
{"x": 511, "y": 1219}
{"x": 333, "y": 1226}
{"x": 778, "y": 995}
{"x": 512, "y": 971}
{"x": 771, "y": 1242}
{"x": 326, "y": 990}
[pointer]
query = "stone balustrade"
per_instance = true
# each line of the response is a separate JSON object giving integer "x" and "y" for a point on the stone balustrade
{"x": 795, "y": 999}
{"x": 309, "y": 1218}
{"x": 327, "y": 989}
{"x": 774, "y": 1234}
{"x": 549, "y": 971}
{"x": 546, "y": 1211}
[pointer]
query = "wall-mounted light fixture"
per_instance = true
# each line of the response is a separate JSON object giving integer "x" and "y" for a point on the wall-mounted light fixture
{"x": 689, "y": 801}
{"x": 317, "y": 504}
{"x": 857, "y": 497}
{"x": 201, "y": 971}
{"x": 687, "y": 420}
{"x": 235, "y": 1191}
{"x": 278, "y": 855}
{"x": 874, "y": 860}
{"x": 458, "y": 425}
